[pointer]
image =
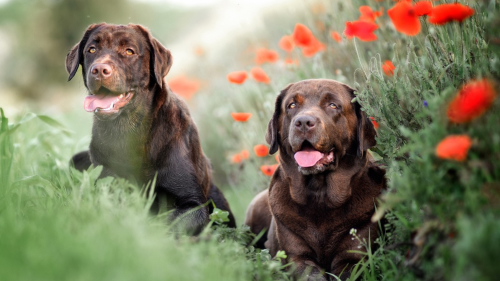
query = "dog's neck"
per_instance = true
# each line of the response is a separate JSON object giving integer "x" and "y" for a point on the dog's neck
{"x": 330, "y": 189}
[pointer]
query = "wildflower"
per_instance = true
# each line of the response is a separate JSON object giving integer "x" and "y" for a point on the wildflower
{"x": 236, "y": 158}
{"x": 336, "y": 36}
{"x": 286, "y": 43}
{"x": 263, "y": 55}
{"x": 237, "y": 77}
{"x": 361, "y": 29}
{"x": 388, "y": 68}
{"x": 268, "y": 170}
{"x": 261, "y": 150}
{"x": 353, "y": 231}
{"x": 375, "y": 123}
{"x": 241, "y": 116}
{"x": 313, "y": 48}
{"x": 472, "y": 100}
{"x": 405, "y": 18}
{"x": 259, "y": 75}
{"x": 184, "y": 86}
{"x": 450, "y": 12}
{"x": 244, "y": 154}
{"x": 425, "y": 104}
{"x": 422, "y": 8}
{"x": 291, "y": 61}
{"x": 454, "y": 147}
{"x": 302, "y": 36}
{"x": 368, "y": 15}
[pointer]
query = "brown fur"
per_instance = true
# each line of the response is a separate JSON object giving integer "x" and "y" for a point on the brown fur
{"x": 153, "y": 134}
{"x": 310, "y": 211}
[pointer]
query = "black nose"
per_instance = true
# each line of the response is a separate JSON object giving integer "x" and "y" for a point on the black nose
{"x": 101, "y": 70}
{"x": 305, "y": 123}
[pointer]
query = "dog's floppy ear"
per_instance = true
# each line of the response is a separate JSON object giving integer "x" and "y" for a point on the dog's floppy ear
{"x": 366, "y": 130}
{"x": 272, "y": 134}
{"x": 75, "y": 57}
{"x": 161, "y": 59}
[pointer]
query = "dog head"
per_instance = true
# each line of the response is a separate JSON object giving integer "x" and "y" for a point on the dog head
{"x": 316, "y": 123}
{"x": 119, "y": 64}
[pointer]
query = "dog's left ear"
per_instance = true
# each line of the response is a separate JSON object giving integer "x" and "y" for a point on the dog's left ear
{"x": 161, "y": 59}
{"x": 75, "y": 56}
{"x": 366, "y": 130}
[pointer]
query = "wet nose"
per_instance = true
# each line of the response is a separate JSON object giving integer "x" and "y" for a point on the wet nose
{"x": 102, "y": 70}
{"x": 305, "y": 123}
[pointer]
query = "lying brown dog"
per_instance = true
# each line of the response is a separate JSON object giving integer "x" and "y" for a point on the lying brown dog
{"x": 325, "y": 185}
{"x": 142, "y": 129}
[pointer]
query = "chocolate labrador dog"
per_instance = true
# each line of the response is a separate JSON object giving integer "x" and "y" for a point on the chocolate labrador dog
{"x": 325, "y": 184}
{"x": 141, "y": 129}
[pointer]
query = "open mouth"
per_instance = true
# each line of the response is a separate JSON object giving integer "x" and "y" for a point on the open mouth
{"x": 308, "y": 156}
{"x": 106, "y": 101}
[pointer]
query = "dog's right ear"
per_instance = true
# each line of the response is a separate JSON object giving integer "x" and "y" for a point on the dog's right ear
{"x": 272, "y": 134}
{"x": 75, "y": 57}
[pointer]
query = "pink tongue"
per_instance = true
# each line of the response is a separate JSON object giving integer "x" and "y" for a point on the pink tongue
{"x": 94, "y": 101}
{"x": 307, "y": 158}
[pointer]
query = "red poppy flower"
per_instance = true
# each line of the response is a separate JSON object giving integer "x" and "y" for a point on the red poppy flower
{"x": 471, "y": 101}
{"x": 237, "y": 77}
{"x": 259, "y": 75}
{"x": 263, "y": 55}
{"x": 291, "y": 61}
{"x": 404, "y": 18}
{"x": 388, "y": 68}
{"x": 367, "y": 14}
{"x": 286, "y": 43}
{"x": 183, "y": 86}
{"x": 422, "y": 8}
{"x": 268, "y": 170}
{"x": 261, "y": 150}
{"x": 375, "y": 123}
{"x": 449, "y": 12}
{"x": 241, "y": 116}
{"x": 236, "y": 158}
{"x": 336, "y": 36}
{"x": 244, "y": 154}
{"x": 454, "y": 147}
{"x": 361, "y": 29}
{"x": 302, "y": 36}
{"x": 314, "y": 47}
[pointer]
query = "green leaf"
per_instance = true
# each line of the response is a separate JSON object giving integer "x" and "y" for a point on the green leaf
{"x": 219, "y": 216}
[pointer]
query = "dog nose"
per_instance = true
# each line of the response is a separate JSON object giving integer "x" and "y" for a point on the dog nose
{"x": 101, "y": 70}
{"x": 305, "y": 123}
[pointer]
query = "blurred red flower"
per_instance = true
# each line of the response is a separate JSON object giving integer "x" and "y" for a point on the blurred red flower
{"x": 314, "y": 47}
{"x": 259, "y": 75}
{"x": 263, "y": 55}
{"x": 454, "y": 147}
{"x": 183, "y": 86}
{"x": 422, "y": 8}
{"x": 291, "y": 61}
{"x": 367, "y": 14}
{"x": 268, "y": 170}
{"x": 236, "y": 158}
{"x": 244, "y": 154}
{"x": 286, "y": 43}
{"x": 473, "y": 99}
{"x": 375, "y": 123}
{"x": 261, "y": 150}
{"x": 336, "y": 36}
{"x": 450, "y": 12}
{"x": 237, "y": 77}
{"x": 404, "y": 17}
{"x": 241, "y": 116}
{"x": 361, "y": 29}
{"x": 302, "y": 36}
{"x": 388, "y": 68}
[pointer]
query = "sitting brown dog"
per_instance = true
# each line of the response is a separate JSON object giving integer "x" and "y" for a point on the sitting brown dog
{"x": 325, "y": 184}
{"x": 141, "y": 128}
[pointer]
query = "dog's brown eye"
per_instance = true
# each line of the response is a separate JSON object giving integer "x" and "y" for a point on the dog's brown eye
{"x": 292, "y": 105}
{"x": 129, "y": 52}
{"x": 332, "y": 105}
{"x": 91, "y": 50}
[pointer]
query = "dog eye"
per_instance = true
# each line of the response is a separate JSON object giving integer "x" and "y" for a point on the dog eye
{"x": 332, "y": 105}
{"x": 91, "y": 50}
{"x": 292, "y": 105}
{"x": 129, "y": 52}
